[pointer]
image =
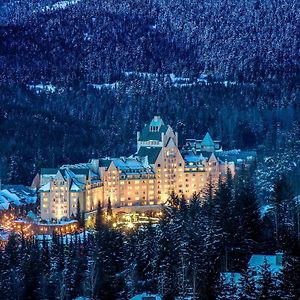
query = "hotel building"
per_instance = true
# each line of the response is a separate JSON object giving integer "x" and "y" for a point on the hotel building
{"x": 146, "y": 178}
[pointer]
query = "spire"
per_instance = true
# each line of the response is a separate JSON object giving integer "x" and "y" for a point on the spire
{"x": 207, "y": 141}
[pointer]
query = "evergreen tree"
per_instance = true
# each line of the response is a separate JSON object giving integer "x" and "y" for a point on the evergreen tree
{"x": 99, "y": 218}
{"x": 281, "y": 196}
{"x": 266, "y": 282}
{"x": 31, "y": 268}
{"x": 167, "y": 262}
{"x": 78, "y": 213}
{"x": 289, "y": 287}
{"x": 246, "y": 218}
{"x": 227, "y": 288}
{"x": 108, "y": 263}
{"x": 109, "y": 209}
{"x": 247, "y": 286}
{"x": 144, "y": 257}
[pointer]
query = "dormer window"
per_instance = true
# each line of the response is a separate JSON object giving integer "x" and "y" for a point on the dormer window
{"x": 154, "y": 128}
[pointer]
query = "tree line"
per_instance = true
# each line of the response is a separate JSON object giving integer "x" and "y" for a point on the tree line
{"x": 181, "y": 255}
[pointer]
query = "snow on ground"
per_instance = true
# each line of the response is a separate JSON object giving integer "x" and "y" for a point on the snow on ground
{"x": 61, "y": 5}
{"x": 112, "y": 86}
{"x": 146, "y": 296}
{"x": 43, "y": 88}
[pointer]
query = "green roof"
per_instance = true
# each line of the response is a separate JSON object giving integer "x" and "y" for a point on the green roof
{"x": 78, "y": 171}
{"x": 151, "y": 152}
{"x": 48, "y": 171}
{"x": 157, "y": 121}
{"x": 207, "y": 141}
{"x": 104, "y": 162}
{"x": 206, "y": 154}
{"x": 147, "y": 135}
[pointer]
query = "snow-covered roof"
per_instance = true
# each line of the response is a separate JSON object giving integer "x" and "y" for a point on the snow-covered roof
{"x": 45, "y": 187}
{"x": 132, "y": 164}
{"x": 191, "y": 158}
{"x": 257, "y": 261}
{"x": 11, "y": 197}
{"x": 4, "y": 203}
{"x": 16, "y": 195}
{"x": 146, "y": 296}
{"x": 75, "y": 188}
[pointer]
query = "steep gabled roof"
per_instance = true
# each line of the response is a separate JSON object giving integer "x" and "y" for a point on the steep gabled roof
{"x": 45, "y": 187}
{"x": 151, "y": 153}
{"x": 80, "y": 171}
{"x": 257, "y": 261}
{"x": 207, "y": 141}
{"x": 206, "y": 154}
{"x": 75, "y": 188}
{"x": 170, "y": 143}
{"x": 147, "y": 135}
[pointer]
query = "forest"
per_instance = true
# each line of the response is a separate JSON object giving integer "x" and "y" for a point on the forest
{"x": 73, "y": 125}
{"x": 95, "y": 41}
{"x": 245, "y": 54}
{"x": 79, "y": 78}
{"x": 170, "y": 258}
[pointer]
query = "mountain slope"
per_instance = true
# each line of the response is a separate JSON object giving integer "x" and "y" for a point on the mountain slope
{"x": 95, "y": 40}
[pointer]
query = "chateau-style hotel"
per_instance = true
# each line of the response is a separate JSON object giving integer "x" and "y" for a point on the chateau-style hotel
{"x": 144, "y": 179}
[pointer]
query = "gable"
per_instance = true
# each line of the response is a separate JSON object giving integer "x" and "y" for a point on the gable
{"x": 207, "y": 141}
{"x": 170, "y": 143}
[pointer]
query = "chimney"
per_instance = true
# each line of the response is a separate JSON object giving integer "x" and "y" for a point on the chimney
{"x": 279, "y": 256}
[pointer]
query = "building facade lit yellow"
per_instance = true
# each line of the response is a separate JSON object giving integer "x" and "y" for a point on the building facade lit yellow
{"x": 146, "y": 178}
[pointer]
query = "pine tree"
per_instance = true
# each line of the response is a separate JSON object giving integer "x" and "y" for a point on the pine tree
{"x": 289, "y": 287}
{"x": 281, "y": 196}
{"x": 31, "y": 269}
{"x": 109, "y": 209}
{"x": 45, "y": 255}
{"x": 224, "y": 218}
{"x": 227, "y": 289}
{"x": 167, "y": 262}
{"x": 246, "y": 218}
{"x": 247, "y": 286}
{"x": 108, "y": 263}
{"x": 99, "y": 218}
{"x": 266, "y": 281}
{"x": 78, "y": 213}
{"x": 145, "y": 247}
